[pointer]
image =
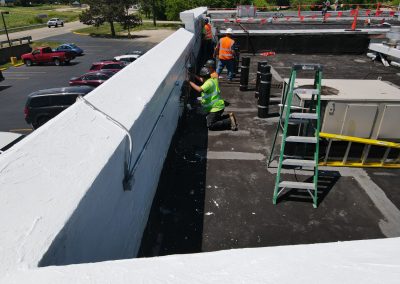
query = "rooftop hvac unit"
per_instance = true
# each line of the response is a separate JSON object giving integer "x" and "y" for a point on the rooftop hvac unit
{"x": 360, "y": 108}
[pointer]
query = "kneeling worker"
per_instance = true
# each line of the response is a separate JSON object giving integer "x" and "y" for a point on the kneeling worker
{"x": 212, "y": 103}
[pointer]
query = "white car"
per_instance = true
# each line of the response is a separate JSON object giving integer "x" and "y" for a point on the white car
{"x": 127, "y": 58}
{"x": 55, "y": 22}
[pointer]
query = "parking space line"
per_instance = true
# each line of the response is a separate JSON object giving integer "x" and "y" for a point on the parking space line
{"x": 17, "y": 78}
{"x": 24, "y": 72}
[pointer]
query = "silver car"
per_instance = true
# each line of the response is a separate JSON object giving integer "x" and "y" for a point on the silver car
{"x": 55, "y": 22}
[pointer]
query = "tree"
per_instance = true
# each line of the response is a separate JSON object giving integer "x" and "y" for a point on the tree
{"x": 101, "y": 11}
{"x": 129, "y": 21}
{"x": 154, "y": 7}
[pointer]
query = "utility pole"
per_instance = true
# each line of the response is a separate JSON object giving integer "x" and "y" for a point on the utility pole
{"x": 5, "y": 26}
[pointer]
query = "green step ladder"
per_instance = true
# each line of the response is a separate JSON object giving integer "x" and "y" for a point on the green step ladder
{"x": 308, "y": 121}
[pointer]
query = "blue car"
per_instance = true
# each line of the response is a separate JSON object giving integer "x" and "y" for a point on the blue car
{"x": 70, "y": 47}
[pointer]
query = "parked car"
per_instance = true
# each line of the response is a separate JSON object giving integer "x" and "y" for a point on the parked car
{"x": 70, "y": 47}
{"x": 8, "y": 139}
{"x": 43, "y": 105}
{"x": 91, "y": 79}
{"x": 107, "y": 65}
{"x": 127, "y": 58}
{"x": 55, "y": 22}
{"x": 47, "y": 55}
{"x": 135, "y": 52}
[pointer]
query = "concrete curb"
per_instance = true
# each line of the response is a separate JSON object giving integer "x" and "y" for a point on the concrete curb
{"x": 18, "y": 64}
{"x": 3, "y": 69}
{"x": 84, "y": 34}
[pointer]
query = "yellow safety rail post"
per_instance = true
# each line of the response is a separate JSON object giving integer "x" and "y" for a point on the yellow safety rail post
{"x": 384, "y": 163}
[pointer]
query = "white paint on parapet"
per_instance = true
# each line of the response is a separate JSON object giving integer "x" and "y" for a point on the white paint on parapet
{"x": 368, "y": 261}
{"x": 190, "y": 17}
{"x": 61, "y": 194}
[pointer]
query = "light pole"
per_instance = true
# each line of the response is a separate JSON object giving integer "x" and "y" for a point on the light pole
{"x": 5, "y": 27}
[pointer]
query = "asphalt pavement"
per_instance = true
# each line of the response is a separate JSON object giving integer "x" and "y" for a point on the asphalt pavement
{"x": 21, "y": 81}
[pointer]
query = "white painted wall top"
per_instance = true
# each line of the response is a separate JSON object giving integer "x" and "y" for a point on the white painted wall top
{"x": 368, "y": 261}
{"x": 44, "y": 178}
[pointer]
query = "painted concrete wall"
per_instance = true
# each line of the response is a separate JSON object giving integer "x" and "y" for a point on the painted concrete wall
{"x": 62, "y": 198}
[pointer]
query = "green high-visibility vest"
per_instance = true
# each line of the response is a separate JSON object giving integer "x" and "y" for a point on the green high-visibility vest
{"x": 211, "y": 100}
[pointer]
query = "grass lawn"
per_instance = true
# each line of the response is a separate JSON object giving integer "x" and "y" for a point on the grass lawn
{"x": 52, "y": 44}
{"x": 25, "y": 16}
{"x": 104, "y": 30}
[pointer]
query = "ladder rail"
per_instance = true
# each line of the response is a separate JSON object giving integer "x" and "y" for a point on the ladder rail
{"x": 287, "y": 114}
{"x": 317, "y": 82}
{"x": 283, "y": 103}
{"x": 364, "y": 156}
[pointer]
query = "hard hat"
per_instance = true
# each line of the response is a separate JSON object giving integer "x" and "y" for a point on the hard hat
{"x": 204, "y": 72}
{"x": 206, "y": 20}
{"x": 229, "y": 31}
{"x": 210, "y": 63}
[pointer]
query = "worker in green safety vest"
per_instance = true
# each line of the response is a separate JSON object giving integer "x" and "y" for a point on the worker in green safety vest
{"x": 212, "y": 103}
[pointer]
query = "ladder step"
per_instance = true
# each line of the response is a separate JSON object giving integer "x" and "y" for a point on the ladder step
{"x": 296, "y": 184}
{"x": 307, "y": 66}
{"x": 301, "y": 139}
{"x": 293, "y": 107}
{"x": 305, "y": 91}
{"x": 303, "y": 115}
{"x": 296, "y": 162}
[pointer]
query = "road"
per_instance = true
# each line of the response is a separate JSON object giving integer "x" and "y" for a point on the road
{"x": 41, "y": 33}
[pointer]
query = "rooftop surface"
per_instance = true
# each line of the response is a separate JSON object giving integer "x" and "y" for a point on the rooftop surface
{"x": 216, "y": 190}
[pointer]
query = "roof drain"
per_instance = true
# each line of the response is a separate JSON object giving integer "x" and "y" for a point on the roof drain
{"x": 128, "y": 175}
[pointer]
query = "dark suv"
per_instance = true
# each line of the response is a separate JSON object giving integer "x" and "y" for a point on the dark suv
{"x": 43, "y": 105}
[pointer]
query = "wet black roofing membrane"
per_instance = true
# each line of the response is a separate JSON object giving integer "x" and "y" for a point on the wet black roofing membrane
{"x": 205, "y": 203}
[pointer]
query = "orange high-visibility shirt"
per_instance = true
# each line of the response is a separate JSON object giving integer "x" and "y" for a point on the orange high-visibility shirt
{"x": 225, "y": 48}
{"x": 207, "y": 31}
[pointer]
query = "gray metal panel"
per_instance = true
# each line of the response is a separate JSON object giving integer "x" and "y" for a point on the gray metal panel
{"x": 359, "y": 120}
{"x": 333, "y": 117}
{"x": 294, "y": 184}
{"x": 388, "y": 127}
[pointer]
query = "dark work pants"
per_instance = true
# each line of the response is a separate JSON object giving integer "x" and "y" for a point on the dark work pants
{"x": 208, "y": 49}
{"x": 217, "y": 121}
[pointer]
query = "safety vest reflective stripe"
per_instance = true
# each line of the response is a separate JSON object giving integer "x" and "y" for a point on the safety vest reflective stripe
{"x": 225, "y": 48}
{"x": 211, "y": 103}
{"x": 208, "y": 32}
{"x": 214, "y": 96}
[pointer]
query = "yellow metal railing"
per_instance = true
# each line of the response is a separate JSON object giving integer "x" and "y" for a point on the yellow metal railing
{"x": 383, "y": 163}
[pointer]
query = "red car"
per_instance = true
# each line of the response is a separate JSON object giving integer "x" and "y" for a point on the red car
{"x": 114, "y": 66}
{"x": 47, "y": 55}
{"x": 93, "y": 79}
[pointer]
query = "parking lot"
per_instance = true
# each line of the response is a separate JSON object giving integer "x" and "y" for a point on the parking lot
{"x": 21, "y": 81}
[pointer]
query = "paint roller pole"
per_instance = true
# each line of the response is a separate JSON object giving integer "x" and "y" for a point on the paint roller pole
{"x": 264, "y": 96}
{"x": 259, "y": 64}
{"x": 244, "y": 73}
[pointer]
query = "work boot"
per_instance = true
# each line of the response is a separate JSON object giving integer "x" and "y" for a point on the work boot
{"x": 234, "y": 124}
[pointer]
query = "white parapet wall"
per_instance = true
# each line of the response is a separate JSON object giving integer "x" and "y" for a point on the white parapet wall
{"x": 79, "y": 189}
{"x": 368, "y": 261}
